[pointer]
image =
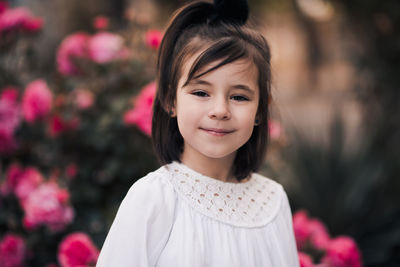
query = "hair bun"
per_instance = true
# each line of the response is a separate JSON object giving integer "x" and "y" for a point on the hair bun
{"x": 232, "y": 11}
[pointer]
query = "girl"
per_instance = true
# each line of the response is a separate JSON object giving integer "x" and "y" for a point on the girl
{"x": 206, "y": 206}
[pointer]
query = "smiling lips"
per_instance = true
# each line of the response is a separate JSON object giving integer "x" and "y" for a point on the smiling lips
{"x": 217, "y": 132}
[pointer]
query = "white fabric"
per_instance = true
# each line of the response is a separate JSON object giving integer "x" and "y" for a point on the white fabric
{"x": 178, "y": 217}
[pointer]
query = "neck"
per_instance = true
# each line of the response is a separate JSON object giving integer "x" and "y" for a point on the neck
{"x": 220, "y": 168}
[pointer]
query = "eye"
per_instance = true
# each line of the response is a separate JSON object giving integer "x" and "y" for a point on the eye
{"x": 240, "y": 98}
{"x": 200, "y": 93}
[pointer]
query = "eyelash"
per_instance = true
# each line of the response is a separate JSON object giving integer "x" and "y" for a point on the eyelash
{"x": 239, "y": 98}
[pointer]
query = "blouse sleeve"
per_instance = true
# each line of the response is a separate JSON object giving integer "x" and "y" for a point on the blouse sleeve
{"x": 142, "y": 225}
{"x": 288, "y": 231}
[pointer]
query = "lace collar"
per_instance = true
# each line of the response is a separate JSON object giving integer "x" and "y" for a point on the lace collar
{"x": 249, "y": 204}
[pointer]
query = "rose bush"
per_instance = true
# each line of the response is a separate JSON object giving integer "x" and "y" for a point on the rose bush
{"x": 67, "y": 151}
{"x": 312, "y": 238}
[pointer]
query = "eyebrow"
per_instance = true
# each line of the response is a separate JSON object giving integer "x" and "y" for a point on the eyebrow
{"x": 236, "y": 86}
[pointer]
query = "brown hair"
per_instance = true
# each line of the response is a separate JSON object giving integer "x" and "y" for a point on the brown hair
{"x": 193, "y": 28}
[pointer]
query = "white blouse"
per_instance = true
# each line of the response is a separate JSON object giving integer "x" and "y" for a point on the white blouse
{"x": 175, "y": 216}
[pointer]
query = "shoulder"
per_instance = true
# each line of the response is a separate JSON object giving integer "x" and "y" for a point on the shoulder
{"x": 152, "y": 189}
{"x": 273, "y": 194}
{"x": 142, "y": 224}
{"x": 268, "y": 185}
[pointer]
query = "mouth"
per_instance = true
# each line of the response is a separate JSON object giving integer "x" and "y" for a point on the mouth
{"x": 217, "y": 131}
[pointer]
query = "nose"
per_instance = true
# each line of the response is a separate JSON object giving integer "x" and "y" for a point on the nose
{"x": 220, "y": 110}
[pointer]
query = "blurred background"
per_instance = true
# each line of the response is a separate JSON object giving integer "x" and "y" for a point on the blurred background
{"x": 76, "y": 87}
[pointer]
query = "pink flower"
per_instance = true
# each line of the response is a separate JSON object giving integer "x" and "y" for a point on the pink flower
{"x": 19, "y": 18}
{"x": 14, "y": 174}
{"x": 12, "y": 251}
{"x": 142, "y": 112}
{"x": 311, "y": 231}
{"x": 83, "y": 98}
{"x": 56, "y": 126}
{"x": 3, "y": 6}
{"x": 305, "y": 260}
{"x": 71, "y": 170}
{"x": 342, "y": 252}
{"x": 153, "y": 38}
{"x": 10, "y": 114}
{"x": 10, "y": 93}
{"x": 301, "y": 227}
{"x": 105, "y": 47}
{"x": 33, "y": 25}
{"x": 13, "y": 18}
{"x": 320, "y": 237}
{"x": 37, "y": 101}
{"x": 47, "y": 205}
{"x": 72, "y": 47}
{"x": 28, "y": 181}
{"x": 275, "y": 129}
{"x": 77, "y": 249}
{"x": 101, "y": 22}
{"x": 10, "y": 119}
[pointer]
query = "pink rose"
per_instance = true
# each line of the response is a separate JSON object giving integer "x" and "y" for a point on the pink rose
{"x": 301, "y": 227}
{"x": 10, "y": 119}
{"x": 71, "y": 170}
{"x": 37, "y": 101}
{"x": 10, "y": 93}
{"x": 63, "y": 196}
{"x": 142, "y": 113}
{"x": 29, "y": 180}
{"x": 14, "y": 174}
{"x": 47, "y": 205}
{"x": 83, "y": 98}
{"x": 10, "y": 113}
{"x": 19, "y": 18}
{"x": 320, "y": 237}
{"x": 275, "y": 129}
{"x": 101, "y": 22}
{"x": 12, "y": 251}
{"x": 13, "y": 18}
{"x": 77, "y": 249}
{"x": 311, "y": 231}
{"x": 305, "y": 260}
{"x": 56, "y": 126}
{"x": 33, "y": 25}
{"x": 153, "y": 38}
{"x": 72, "y": 47}
{"x": 105, "y": 47}
{"x": 3, "y": 6}
{"x": 342, "y": 252}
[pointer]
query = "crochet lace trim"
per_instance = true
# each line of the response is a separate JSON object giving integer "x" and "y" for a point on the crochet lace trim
{"x": 249, "y": 204}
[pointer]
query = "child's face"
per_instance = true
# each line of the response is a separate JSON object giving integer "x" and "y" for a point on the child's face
{"x": 216, "y": 112}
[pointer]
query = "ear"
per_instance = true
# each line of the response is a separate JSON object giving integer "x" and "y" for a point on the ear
{"x": 257, "y": 120}
{"x": 172, "y": 111}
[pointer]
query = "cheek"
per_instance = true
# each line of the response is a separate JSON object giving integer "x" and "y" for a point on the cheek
{"x": 247, "y": 115}
{"x": 186, "y": 117}
{"x": 246, "y": 118}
